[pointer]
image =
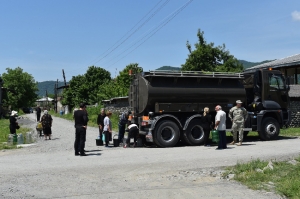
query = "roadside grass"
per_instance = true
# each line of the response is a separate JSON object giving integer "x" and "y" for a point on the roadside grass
{"x": 4, "y": 132}
{"x": 283, "y": 179}
{"x": 290, "y": 132}
{"x": 283, "y": 132}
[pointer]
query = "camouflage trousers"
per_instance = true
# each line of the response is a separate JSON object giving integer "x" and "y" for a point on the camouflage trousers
{"x": 238, "y": 128}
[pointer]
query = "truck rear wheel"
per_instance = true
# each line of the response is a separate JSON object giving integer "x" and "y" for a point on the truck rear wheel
{"x": 195, "y": 133}
{"x": 270, "y": 129}
{"x": 167, "y": 134}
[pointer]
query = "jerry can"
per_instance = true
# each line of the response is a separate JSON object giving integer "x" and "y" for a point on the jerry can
{"x": 215, "y": 136}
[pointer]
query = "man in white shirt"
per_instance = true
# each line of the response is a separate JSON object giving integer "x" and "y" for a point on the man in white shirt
{"x": 220, "y": 125}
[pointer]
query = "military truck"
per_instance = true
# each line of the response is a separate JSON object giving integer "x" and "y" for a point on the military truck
{"x": 168, "y": 105}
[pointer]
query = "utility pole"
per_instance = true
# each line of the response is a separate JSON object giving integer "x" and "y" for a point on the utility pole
{"x": 47, "y": 98}
{"x": 64, "y": 77}
{"x": 56, "y": 95}
{"x": 1, "y": 84}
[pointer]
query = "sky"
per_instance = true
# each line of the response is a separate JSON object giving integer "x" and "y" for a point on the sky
{"x": 44, "y": 37}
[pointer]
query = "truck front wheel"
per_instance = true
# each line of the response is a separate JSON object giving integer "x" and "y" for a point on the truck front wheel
{"x": 167, "y": 134}
{"x": 270, "y": 129}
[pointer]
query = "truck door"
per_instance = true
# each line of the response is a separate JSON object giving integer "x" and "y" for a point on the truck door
{"x": 275, "y": 88}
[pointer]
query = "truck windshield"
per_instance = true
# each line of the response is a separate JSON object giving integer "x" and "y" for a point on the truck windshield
{"x": 276, "y": 82}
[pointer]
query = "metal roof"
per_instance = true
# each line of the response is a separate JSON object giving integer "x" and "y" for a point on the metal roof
{"x": 284, "y": 62}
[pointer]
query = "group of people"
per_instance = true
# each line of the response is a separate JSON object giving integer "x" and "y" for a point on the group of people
{"x": 238, "y": 116}
{"x": 46, "y": 122}
{"x": 105, "y": 127}
{"x": 81, "y": 120}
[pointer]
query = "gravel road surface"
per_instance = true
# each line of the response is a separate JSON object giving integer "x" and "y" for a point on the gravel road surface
{"x": 49, "y": 169}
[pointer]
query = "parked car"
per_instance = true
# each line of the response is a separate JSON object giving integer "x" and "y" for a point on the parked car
{"x": 27, "y": 110}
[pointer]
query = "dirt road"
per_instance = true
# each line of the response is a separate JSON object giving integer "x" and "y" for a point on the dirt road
{"x": 50, "y": 170}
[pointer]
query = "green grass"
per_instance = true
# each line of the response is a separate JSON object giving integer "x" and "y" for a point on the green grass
{"x": 283, "y": 132}
{"x": 283, "y": 179}
{"x": 290, "y": 132}
{"x": 4, "y": 132}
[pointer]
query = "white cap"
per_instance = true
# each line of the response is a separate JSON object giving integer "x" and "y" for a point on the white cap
{"x": 14, "y": 113}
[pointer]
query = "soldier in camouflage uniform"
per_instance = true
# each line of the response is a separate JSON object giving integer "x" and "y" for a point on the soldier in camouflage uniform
{"x": 238, "y": 116}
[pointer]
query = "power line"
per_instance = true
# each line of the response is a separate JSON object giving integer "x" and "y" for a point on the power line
{"x": 120, "y": 41}
{"x": 149, "y": 35}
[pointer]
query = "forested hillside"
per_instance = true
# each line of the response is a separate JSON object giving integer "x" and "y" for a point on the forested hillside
{"x": 47, "y": 86}
{"x": 168, "y": 68}
{"x": 247, "y": 64}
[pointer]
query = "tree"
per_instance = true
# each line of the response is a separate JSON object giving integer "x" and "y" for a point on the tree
{"x": 85, "y": 88}
{"x": 95, "y": 77}
{"x": 21, "y": 88}
{"x": 124, "y": 80}
{"x": 207, "y": 57}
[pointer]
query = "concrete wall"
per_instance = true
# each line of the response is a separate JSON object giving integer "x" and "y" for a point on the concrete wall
{"x": 295, "y": 113}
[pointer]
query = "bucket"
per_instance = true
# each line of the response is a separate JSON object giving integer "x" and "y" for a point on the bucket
{"x": 139, "y": 142}
{"x": 215, "y": 136}
{"x": 99, "y": 142}
{"x": 116, "y": 141}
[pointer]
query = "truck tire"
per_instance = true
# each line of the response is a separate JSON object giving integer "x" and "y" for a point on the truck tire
{"x": 270, "y": 129}
{"x": 166, "y": 134}
{"x": 195, "y": 133}
{"x": 185, "y": 139}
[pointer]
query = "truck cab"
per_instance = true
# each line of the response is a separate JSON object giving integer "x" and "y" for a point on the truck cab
{"x": 267, "y": 102}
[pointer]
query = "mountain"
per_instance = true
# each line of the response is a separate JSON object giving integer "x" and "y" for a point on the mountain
{"x": 47, "y": 85}
{"x": 169, "y": 68}
{"x": 246, "y": 64}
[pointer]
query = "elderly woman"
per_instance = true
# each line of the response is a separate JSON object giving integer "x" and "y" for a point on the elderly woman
{"x": 13, "y": 122}
{"x": 47, "y": 123}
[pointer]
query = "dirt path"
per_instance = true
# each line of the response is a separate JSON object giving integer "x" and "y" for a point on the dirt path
{"x": 50, "y": 170}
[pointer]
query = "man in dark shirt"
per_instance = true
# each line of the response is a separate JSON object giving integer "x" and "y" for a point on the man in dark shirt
{"x": 122, "y": 124}
{"x": 81, "y": 120}
{"x": 38, "y": 113}
{"x": 100, "y": 120}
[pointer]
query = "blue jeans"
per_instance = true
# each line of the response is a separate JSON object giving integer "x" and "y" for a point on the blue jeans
{"x": 222, "y": 140}
{"x": 121, "y": 132}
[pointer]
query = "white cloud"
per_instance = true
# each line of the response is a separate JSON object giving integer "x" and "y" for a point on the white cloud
{"x": 296, "y": 15}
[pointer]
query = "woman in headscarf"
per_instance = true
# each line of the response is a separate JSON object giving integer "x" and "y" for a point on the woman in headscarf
{"x": 47, "y": 124}
{"x": 13, "y": 122}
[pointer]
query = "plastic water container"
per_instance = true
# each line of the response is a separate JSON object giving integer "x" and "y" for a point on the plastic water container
{"x": 28, "y": 138}
{"x": 10, "y": 139}
{"x": 15, "y": 138}
{"x": 215, "y": 136}
{"x": 20, "y": 139}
